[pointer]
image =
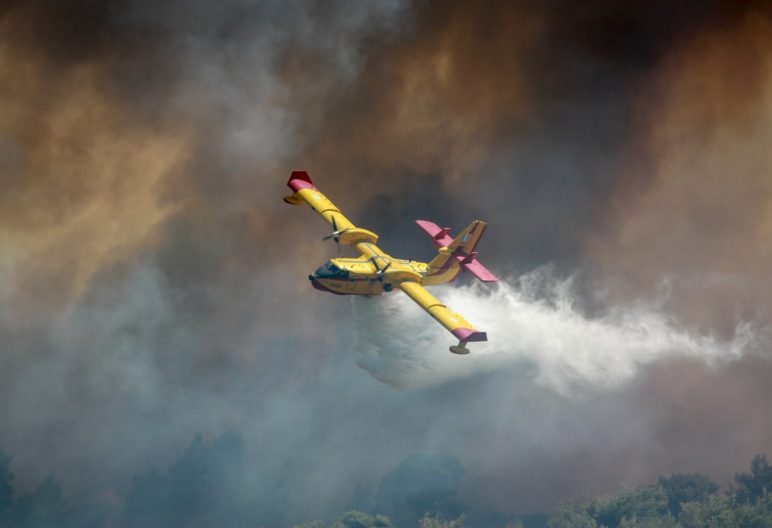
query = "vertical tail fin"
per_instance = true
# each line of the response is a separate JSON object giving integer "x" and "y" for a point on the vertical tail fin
{"x": 466, "y": 241}
{"x": 443, "y": 267}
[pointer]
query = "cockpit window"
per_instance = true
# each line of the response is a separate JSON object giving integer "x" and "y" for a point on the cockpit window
{"x": 331, "y": 271}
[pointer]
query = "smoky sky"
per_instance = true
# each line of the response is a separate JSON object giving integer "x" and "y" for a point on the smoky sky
{"x": 152, "y": 282}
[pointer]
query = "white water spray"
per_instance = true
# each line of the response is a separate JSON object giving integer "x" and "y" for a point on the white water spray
{"x": 534, "y": 326}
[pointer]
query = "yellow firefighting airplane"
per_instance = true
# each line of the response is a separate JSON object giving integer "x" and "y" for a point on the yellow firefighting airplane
{"x": 375, "y": 272}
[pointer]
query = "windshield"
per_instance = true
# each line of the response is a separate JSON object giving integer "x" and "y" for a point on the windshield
{"x": 331, "y": 271}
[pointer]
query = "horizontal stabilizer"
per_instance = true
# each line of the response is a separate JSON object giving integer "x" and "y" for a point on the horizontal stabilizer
{"x": 478, "y": 270}
{"x": 469, "y": 258}
{"x": 439, "y": 235}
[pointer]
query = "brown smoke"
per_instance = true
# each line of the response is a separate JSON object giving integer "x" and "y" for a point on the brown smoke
{"x": 693, "y": 204}
{"x": 434, "y": 100}
{"x": 82, "y": 178}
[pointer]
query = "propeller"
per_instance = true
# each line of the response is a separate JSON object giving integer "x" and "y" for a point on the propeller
{"x": 380, "y": 272}
{"x": 335, "y": 235}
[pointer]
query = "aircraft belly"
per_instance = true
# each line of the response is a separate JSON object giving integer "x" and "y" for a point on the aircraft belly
{"x": 349, "y": 287}
{"x": 366, "y": 287}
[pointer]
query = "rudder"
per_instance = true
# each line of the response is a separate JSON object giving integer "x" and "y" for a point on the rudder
{"x": 466, "y": 242}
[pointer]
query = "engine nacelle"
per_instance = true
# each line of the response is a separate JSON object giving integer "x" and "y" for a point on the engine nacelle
{"x": 355, "y": 235}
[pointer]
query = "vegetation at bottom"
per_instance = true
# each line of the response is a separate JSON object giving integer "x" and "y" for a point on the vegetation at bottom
{"x": 215, "y": 484}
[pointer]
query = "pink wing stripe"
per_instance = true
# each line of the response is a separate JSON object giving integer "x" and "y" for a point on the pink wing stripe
{"x": 465, "y": 335}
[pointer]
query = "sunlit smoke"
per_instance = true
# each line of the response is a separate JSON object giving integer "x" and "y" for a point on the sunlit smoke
{"x": 535, "y": 328}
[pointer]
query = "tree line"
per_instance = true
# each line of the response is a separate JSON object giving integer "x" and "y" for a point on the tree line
{"x": 214, "y": 484}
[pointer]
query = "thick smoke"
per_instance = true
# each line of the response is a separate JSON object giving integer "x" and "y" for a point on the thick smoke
{"x": 692, "y": 202}
{"x": 152, "y": 283}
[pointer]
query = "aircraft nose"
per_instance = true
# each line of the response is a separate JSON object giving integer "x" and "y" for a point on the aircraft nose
{"x": 312, "y": 277}
{"x": 317, "y": 285}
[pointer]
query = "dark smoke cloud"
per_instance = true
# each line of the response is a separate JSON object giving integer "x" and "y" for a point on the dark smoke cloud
{"x": 702, "y": 219}
{"x": 152, "y": 282}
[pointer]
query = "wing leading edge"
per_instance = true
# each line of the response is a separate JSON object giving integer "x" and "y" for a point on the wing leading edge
{"x": 454, "y": 322}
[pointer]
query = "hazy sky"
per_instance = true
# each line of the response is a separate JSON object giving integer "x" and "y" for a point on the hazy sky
{"x": 153, "y": 284}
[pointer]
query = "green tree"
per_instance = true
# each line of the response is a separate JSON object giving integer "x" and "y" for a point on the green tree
{"x": 640, "y": 504}
{"x": 715, "y": 512}
{"x": 678, "y": 501}
{"x": 483, "y": 516}
{"x": 571, "y": 515}
{"x": 751, "y": 486}
{"x": 662, "y": 521}
{"x": 686, "y": 488}
{"x": 756, "y": 515}
{"x": 421, "y": 484}
{"x": 429, "y": 521}
{"x": 357, "y": 519}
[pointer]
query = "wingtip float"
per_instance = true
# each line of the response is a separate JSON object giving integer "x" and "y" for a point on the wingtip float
{"x": 375, "y": 272}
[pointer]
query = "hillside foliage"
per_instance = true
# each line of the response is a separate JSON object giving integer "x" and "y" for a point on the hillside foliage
{"x": 214, "y": 483}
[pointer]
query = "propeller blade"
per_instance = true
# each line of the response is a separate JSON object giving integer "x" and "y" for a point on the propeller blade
{"x": 335, "y": 233}
{"x": 382, "y": 271}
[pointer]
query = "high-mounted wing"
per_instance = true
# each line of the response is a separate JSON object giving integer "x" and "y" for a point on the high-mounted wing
{"x": 344, "y": 231}
{"x": 455, "y": 323}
